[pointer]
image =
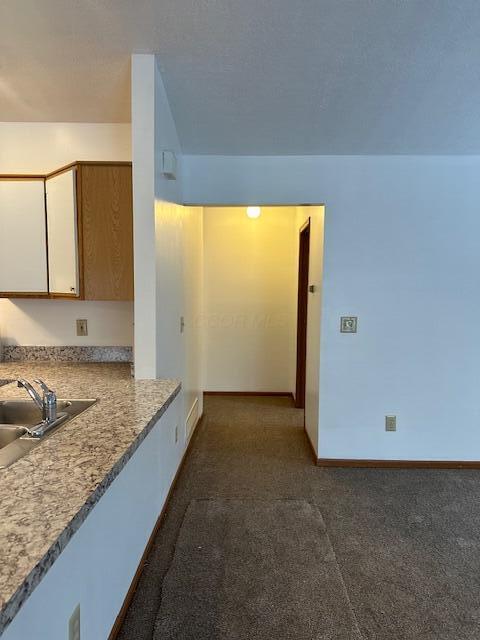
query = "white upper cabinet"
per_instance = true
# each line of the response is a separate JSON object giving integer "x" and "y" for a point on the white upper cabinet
{"x": 68, "y": 234}
{"x": 62, "y": 234}
{"x": 23, "y": 248}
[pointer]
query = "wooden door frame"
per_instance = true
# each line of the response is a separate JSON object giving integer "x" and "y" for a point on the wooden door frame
{"x": 302, "y": 313}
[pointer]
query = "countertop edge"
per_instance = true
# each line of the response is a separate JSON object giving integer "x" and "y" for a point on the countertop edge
{"x": 33, "y": 579}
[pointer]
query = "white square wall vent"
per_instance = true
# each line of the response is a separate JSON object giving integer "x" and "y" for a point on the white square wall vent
{"x": 169, "y": 165}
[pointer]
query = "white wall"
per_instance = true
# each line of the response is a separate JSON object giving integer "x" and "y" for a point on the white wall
{"x": 168, "y": 245}
{"x": 250, "y": 280}
{"x": 179, "y": 248}
{"x": 143, "y": 176}
{"x": 193, "y": 292}
{"x": 402, "y": 251}
{"x": 153, "y": 130}
{"x": 98, "y": 564}
{"x": 166, "y": 139}
{"x": 40, "y": 147}
{"x": 26, "y": 322}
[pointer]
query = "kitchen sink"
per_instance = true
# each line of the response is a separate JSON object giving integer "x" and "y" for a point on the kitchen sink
{"x": 25, "y": 412}
{"x": 9, "y": 433}
{"x": 18, "y": 417}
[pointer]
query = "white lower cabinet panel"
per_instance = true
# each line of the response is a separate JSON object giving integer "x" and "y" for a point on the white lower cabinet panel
{"x": 97, "y": 566}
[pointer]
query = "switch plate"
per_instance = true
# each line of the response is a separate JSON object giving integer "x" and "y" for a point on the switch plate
{"x": 348, "y": 324}
{"x": 390, "y": 423}
{"x": 182, "y": 324}
{"x": 74, "y": 624}
{"x": 82, "y": 327}
{"x": 176, "y": 434}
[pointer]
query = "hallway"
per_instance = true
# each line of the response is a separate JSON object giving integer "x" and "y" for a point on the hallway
{"x": 403, "y": 545}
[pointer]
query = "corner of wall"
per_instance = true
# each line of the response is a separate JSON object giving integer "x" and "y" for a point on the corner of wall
{"x": 153, "y": 131}
{"x": 143, "y": 136}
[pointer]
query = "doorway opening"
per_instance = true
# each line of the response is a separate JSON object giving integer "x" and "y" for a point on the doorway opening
{"x": 262, "y": 283}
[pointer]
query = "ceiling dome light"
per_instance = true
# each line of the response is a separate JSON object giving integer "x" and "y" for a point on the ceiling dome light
{"x": 253, "y": 212}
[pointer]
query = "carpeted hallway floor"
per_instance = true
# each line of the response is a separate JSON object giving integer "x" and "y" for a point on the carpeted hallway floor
{"x": 406, "y": 543}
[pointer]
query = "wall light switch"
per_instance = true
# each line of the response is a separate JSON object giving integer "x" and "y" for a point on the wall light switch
{"x": 348, "y": 324}
{"x": 390, "y": 423}
{"x": 82, "y": 328}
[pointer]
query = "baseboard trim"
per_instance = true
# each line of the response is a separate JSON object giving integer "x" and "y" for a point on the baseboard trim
{"x": 399, "y": 464}
{"x": 141, "y": 565}
{"x": 312, "y": 448}
{"x": 289, "y": 394}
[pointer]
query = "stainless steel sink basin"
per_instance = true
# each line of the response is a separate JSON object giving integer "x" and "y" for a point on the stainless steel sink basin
{"x": 17, "y": 417}
{"x": 25, "y": 412}
{"x": 9, "y": 433}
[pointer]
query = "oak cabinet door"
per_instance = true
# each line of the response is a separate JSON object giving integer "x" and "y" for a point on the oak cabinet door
{"x": 23, "y": 245}
{"x": 107, "y": 231}
{"x": 63, "y": 274}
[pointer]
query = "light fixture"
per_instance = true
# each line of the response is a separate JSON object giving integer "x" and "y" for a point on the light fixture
{"x": 253, "y": 212}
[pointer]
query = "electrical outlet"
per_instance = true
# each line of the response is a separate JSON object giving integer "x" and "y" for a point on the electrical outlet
{"x": 176, "y": 434}
{"x": 390, "y": 423}
{"x": 74, "y": 624}
{"x": 82, "y": 328}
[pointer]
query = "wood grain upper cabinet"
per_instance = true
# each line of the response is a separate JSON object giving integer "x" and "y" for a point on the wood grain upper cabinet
{"x": 23, "y": 250}
{"x": 63, "y": 267}
{"x": 90, "y": 231}
{"x": 104, "y": 193}
{"x": 85, "y": 233}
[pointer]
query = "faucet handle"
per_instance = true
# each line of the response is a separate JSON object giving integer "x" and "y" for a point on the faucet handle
{"x": 42, "y": 384}
{"x": 49, "y": 396}
{"x": 49, "y": 401}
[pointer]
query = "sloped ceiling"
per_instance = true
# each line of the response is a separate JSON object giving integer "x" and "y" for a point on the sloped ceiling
{"x": 256, "y": 76}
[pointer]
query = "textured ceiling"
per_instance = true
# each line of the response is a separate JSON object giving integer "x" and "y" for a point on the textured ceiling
{"x": 256, "y": 76}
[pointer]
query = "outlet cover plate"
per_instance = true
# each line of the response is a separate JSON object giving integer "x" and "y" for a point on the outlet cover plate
{"x": 390, "y": 423}
{"x": 348, "y": 324}
{"x": 82, "y": 327}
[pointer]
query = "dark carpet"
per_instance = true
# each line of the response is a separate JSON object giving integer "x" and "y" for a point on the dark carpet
{"x": 407, "y": 542}
{"x": 254, "y": 569}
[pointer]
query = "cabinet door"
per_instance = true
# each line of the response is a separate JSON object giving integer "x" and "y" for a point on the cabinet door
{"x": 23, "y": 243}
{"x": 62, "y": 234}
{"x": 107, "y": 227}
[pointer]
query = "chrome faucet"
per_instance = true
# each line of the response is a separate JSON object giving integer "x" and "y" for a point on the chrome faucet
{"x": 35, "y": 396}
{"x": 47, "y": 403}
